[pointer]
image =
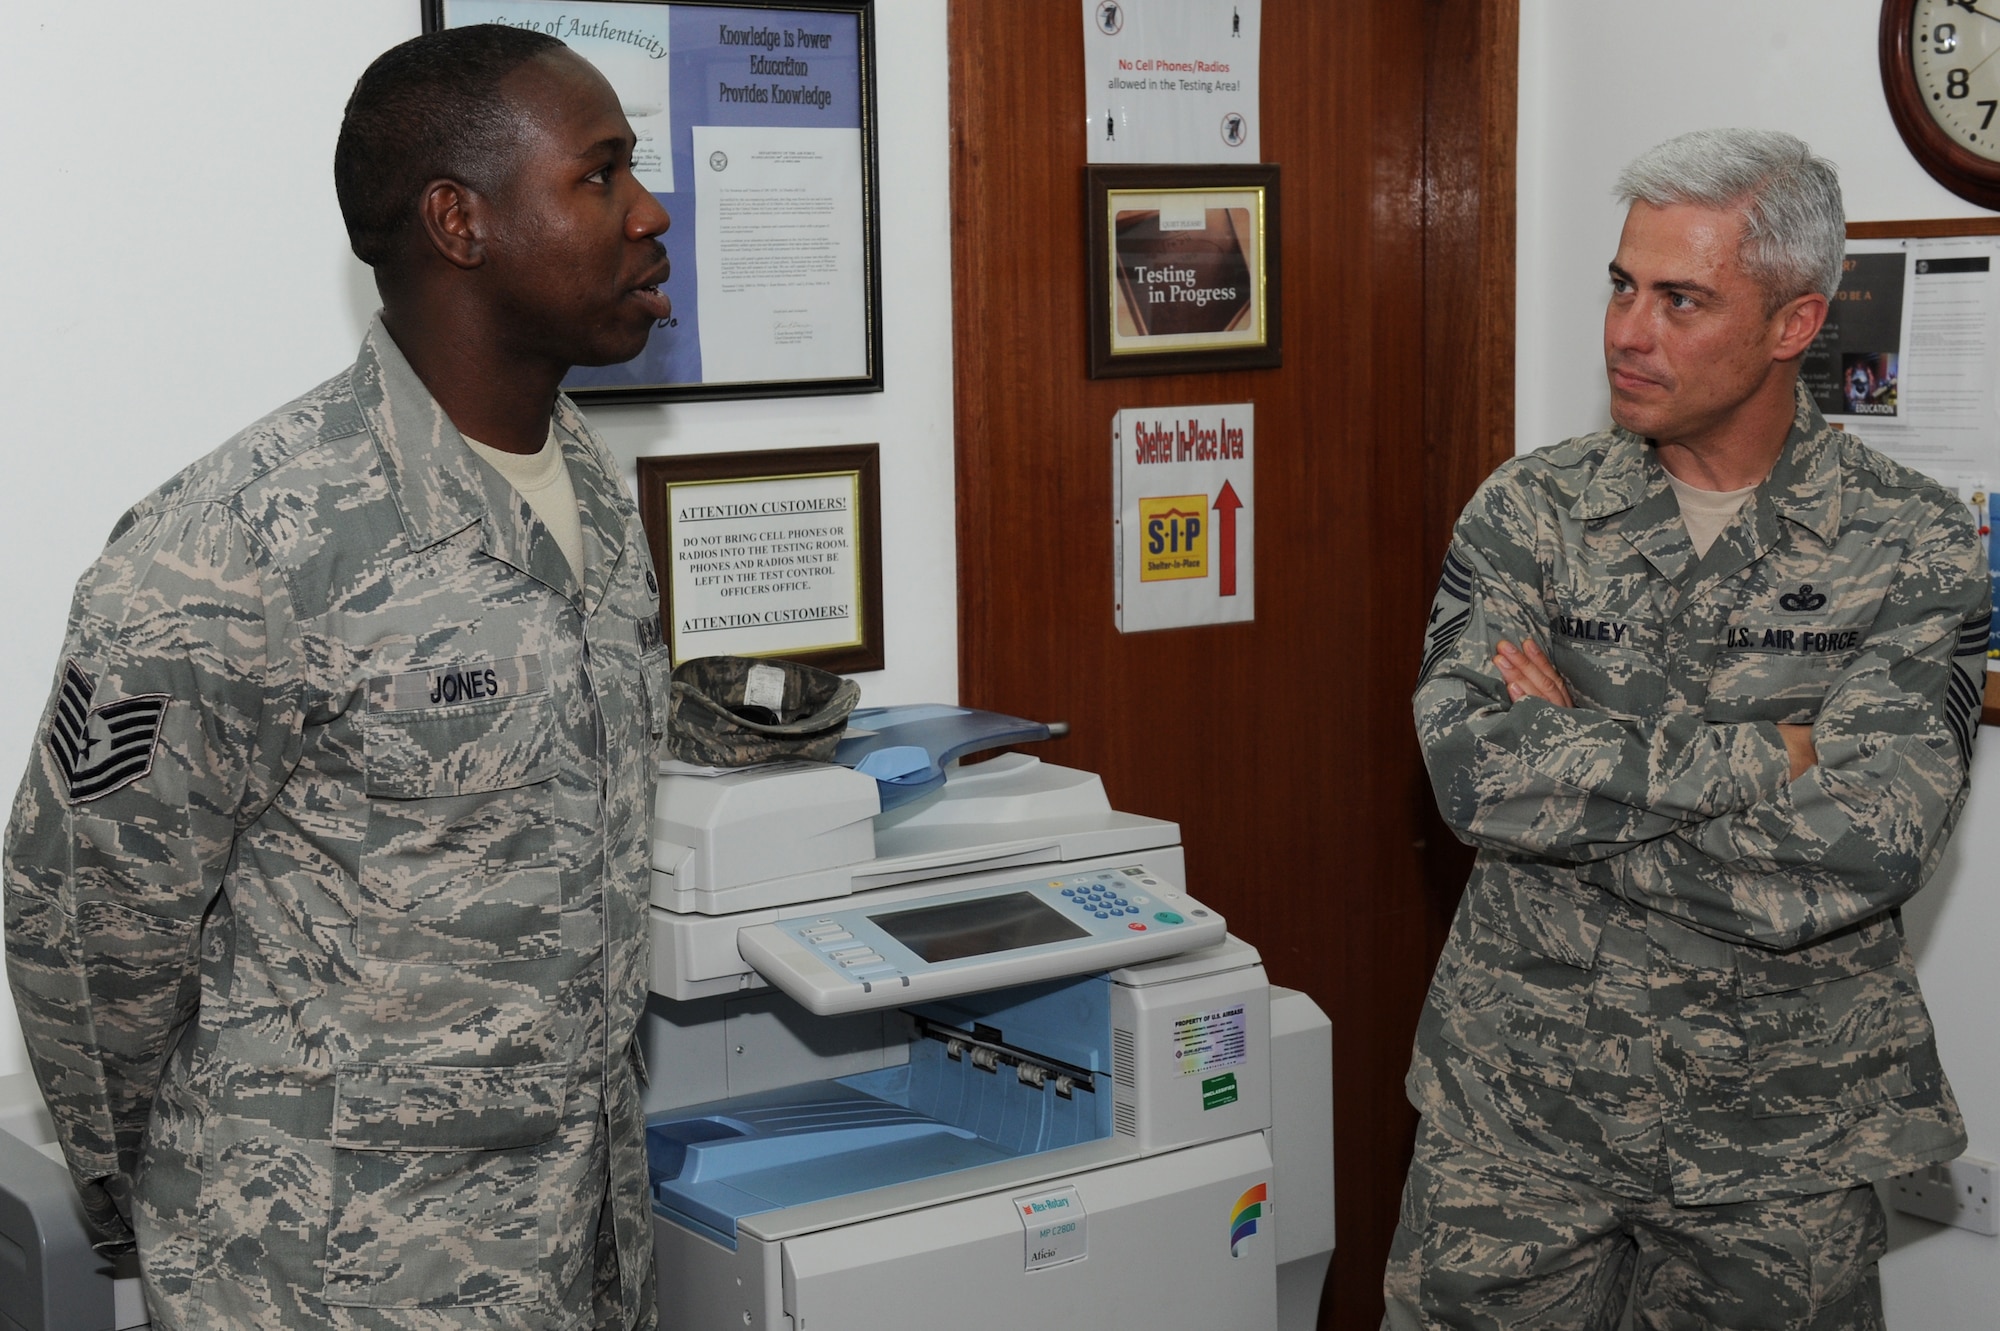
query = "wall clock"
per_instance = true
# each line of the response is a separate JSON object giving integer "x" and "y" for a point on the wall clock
{"x": 1942, "y": 78}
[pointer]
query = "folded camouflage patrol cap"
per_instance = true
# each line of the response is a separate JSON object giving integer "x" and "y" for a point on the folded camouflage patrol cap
{"x": 732, "y": 711}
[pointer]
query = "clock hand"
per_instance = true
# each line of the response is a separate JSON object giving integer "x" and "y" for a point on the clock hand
{"x": 1972, "y": 9}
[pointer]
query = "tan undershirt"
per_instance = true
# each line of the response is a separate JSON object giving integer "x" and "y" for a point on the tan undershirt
{"x": 541, "y": 478}
{"x": 1706, "y": 512}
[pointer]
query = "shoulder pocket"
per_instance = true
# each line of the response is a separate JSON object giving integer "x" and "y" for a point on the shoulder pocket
{"x": 459, "y": 861}
{"x": 1620, "y": 681}
{"x": 493, "y": 745}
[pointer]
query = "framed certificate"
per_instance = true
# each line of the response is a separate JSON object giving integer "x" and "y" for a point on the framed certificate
{"x": 755, "y": 123}
{"x": 774, "y": 553}
{"x": 1183, "y": 269}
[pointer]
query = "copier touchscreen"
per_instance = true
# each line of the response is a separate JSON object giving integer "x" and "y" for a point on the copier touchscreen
{"x": 975, "y": 928}
{"x": 854, "y": 958}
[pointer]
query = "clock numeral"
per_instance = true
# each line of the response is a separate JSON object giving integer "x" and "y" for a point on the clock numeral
{"x": 1987, "y": 123}
{"x": 1956, "y": 86}
{"x": 1946, "y": 37}
{"x": 1969, "y": 6}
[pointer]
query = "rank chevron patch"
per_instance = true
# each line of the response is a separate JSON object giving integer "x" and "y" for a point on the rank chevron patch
{"x": 1447, "y": 625}
{"x": 99, "y": 749}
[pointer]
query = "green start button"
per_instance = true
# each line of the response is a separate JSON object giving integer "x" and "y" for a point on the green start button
{"x": 1167, "y": 917}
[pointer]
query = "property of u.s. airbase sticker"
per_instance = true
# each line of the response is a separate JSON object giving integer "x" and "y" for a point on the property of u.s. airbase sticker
{"x": 1055, "y": 1228}
{"x": 1206, "y": 1042}
{"x": 104, "y": 748}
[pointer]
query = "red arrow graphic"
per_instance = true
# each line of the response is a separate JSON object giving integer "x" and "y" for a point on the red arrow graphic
{"x": 1226, "y": 505}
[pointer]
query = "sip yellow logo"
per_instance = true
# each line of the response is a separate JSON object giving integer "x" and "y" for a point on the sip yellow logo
{"x": 1175, "y": 535}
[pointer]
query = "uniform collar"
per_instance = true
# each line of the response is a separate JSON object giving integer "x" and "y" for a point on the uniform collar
{"x": 441, "y": 487}
{"x": 1631, "y": 496}
{"x": 1803, "y": 487}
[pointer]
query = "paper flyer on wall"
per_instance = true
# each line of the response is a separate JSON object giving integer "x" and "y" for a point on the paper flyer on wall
{"x": 1184, "y": 516}
{"x": 1853, "y": 367}
{"x": 1172, "y": 81}
{"x": 779, "y": 253}
{"x": 763, "y": 83}
{"x": 1945, "y": 394}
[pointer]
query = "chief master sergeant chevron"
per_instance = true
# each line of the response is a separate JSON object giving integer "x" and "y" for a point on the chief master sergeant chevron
{"x": 325, "y": 889}
{"x": 1702, "y": 689}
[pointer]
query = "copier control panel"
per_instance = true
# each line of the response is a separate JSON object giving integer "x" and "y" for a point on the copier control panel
{"x": 863, "y": 957}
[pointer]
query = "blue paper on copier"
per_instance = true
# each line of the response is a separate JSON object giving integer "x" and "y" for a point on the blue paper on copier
{"x": 906, "y": 749}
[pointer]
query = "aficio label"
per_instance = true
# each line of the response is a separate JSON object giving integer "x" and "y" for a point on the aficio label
{"x": 1206, "y": 1042}
{"x": 1055, "y": 1229}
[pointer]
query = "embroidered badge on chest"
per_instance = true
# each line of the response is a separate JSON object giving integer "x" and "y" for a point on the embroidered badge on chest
{"x": 1803, "y": 600}
{"x": 101, "y": 749}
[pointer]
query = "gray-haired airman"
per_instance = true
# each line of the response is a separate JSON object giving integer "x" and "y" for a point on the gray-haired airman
{"x": 1703, "y": 690}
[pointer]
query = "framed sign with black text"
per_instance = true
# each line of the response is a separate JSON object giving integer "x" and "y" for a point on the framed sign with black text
{"x": 774, "y": 553}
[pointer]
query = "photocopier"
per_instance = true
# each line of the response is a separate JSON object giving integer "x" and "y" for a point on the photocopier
{"x": 932, "y": 1043}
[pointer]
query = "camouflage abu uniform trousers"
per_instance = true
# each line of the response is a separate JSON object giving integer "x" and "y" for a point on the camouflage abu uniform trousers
{"x": 1678, "y": 979}
{"x": 326, "y": 888}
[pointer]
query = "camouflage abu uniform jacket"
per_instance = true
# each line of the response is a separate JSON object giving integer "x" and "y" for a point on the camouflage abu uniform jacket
{"x": 1673, "y": 971}
{"x": 326, "y": 888}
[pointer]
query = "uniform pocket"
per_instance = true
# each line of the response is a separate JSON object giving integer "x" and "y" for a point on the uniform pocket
{"x": 440, "y": 1185}
{"x": 1525, "y": 972}
{"x": 459, "y": 863}
{"x": 1794, "y": 627}
{"x": 1787, "y": 689}
{"x": 1830, "y": 1027}
{"x": 1619, "y": 681}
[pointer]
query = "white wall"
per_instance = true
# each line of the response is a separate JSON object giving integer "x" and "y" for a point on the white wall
{"x": 1601, "y": 81}
{"x": 172, "y": 265}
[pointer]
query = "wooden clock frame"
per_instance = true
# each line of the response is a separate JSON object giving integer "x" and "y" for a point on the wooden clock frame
{"x": 1949, "y": 163}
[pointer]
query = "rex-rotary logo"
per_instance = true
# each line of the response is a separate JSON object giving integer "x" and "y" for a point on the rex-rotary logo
{"x": 1243, "y": 1217}
{"x": 1054, "y": 1228}
{"x": 1175, "y": 538}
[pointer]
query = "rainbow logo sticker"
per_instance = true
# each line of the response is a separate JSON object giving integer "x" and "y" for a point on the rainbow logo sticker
{"x": 1243, "y": 1217}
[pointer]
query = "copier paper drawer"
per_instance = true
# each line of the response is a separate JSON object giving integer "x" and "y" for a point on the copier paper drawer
{"x": 1181, "y": 1240}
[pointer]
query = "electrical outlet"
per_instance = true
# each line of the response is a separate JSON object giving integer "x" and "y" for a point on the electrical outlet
{"x": 1960, "y": 1192}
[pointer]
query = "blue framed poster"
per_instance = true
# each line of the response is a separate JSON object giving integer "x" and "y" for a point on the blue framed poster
{"x": 755, "y": 130}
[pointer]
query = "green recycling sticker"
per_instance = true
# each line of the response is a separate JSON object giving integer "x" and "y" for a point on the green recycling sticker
{"x": 1218, "y": 1091}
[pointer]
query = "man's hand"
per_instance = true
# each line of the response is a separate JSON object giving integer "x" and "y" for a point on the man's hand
{"x": 1799, "y": 748}
{"x": 1528, "y": 674}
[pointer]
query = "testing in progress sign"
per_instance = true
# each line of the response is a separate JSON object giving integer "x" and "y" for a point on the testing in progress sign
{"x": 1184, "y": 516}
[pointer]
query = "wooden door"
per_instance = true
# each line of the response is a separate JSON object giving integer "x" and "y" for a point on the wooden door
{"x": 1283, "y": 747}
